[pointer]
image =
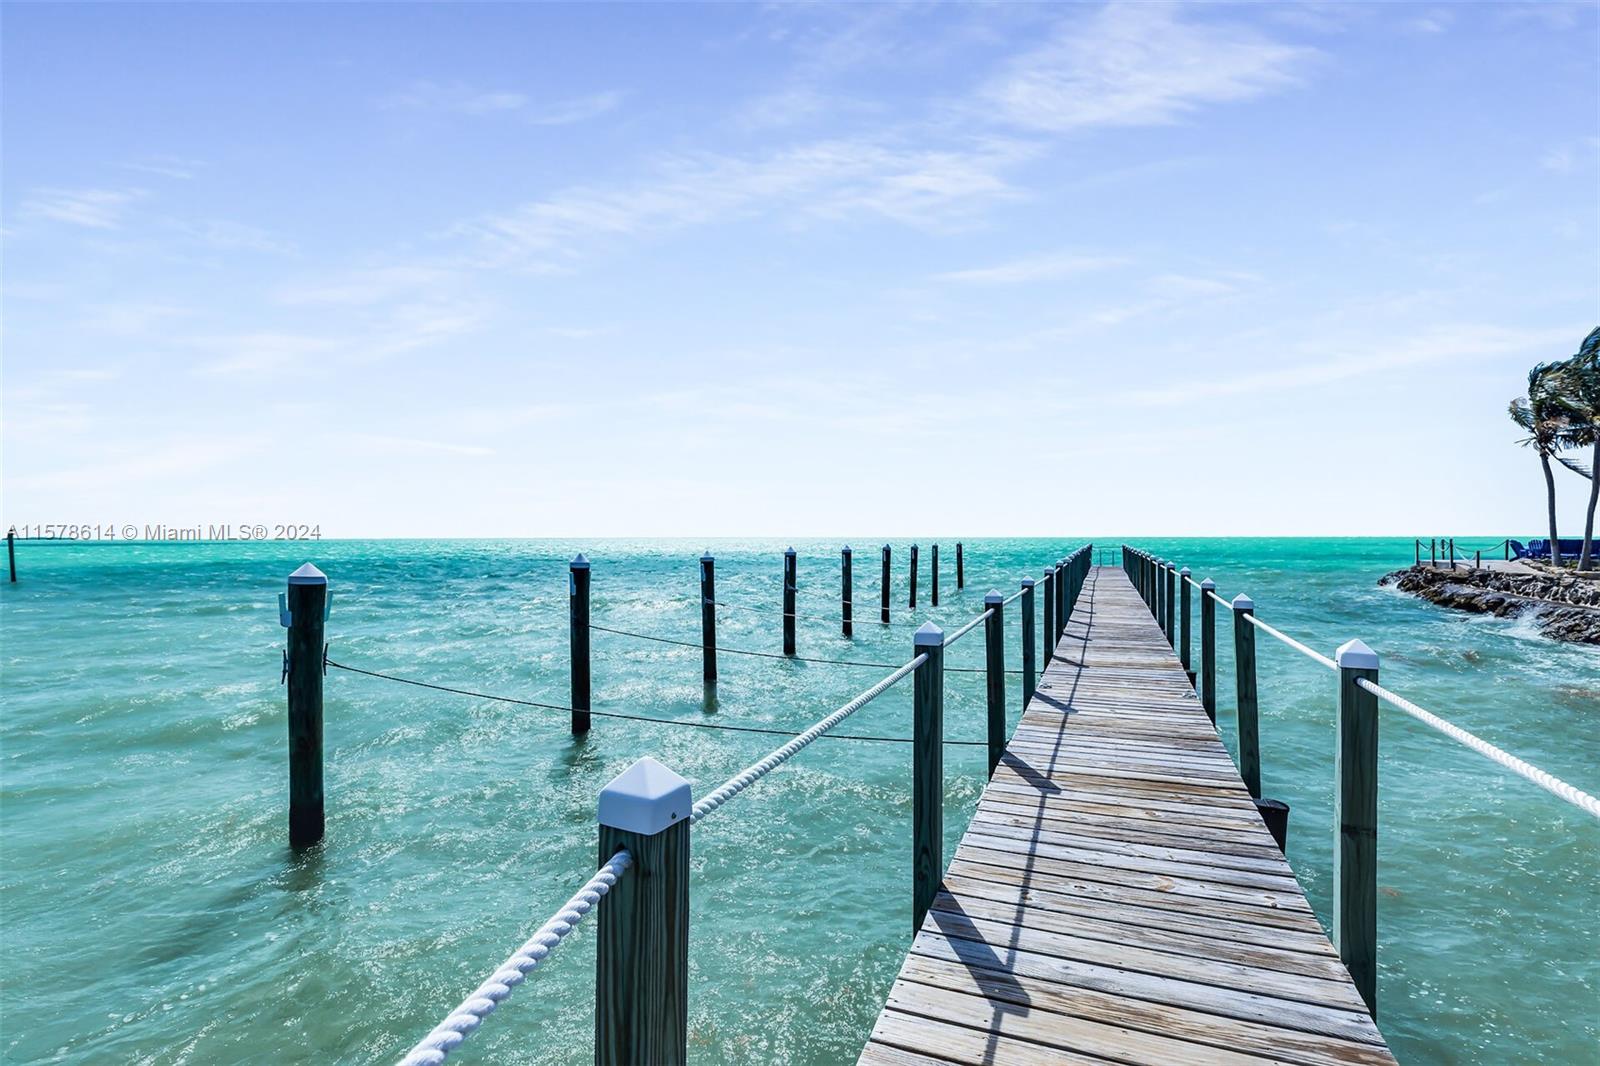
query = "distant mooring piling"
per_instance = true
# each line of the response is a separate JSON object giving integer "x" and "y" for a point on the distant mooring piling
{"x": 578, "y": 642}
{"x": 303, "y": 611}
{"x": 913, "y": 600}
{"x": 846, "y": 580}
{"x": 790, "y": 586}
{"x": 708, "y": 617}
{"x": 883, "y": 612}
{"x": 934, "y": 585}
{"x": 11, "y": 552}
{"x": 961, "y": 572}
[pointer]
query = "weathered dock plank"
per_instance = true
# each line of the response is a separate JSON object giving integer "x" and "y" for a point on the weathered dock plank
{"x": 1116, "y": 897}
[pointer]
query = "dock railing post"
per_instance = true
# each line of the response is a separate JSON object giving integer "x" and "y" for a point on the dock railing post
{"x": 1029, "y": 660}
{"x": 1355, "y": 857}
{"x": 994, "y": 661}
{"x": 1049, "y": 615}
{"x": 927, "y": 773}
{"x": 934, "y": 588}
{"x": 641, "y": 987}
{"x": 578, "y": 641}
{"x": 1160, "y": 595}
{"x": 708, "y": 616}
{"x": 846, "y": 591}
{"x": 883, "y": 611}
{"x": 1416, "y": 552}
{"x": 1185, "y": 652}
{"x": 1172, "y": 593}
{"x": 913, "y": 599}
{"x": 790, "y": 579}
{"x": 1244, "y": 666}
{"x": 1433, "y": 552}
{"x": 304, "y": 611}
{"x": 1208, "y": 649}
{"x": 961, "y": 569}
{"x": 1061, "y": 601}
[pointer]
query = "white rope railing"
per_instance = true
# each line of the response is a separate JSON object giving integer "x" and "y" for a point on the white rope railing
{"x": 762, "y": 767}
{"x": 1549, "y": 782}
{"x": 968, "y": 628}
{"x": 1011, "y": 597}
{"x": 465, "y": 1019}
{"x": 1295, "y": 644}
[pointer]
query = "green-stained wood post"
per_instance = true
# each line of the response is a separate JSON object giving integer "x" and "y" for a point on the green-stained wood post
{"x": 578, "y": 641}
{"x": 1185, "y": 652}
{"x": 1244, "y": 672}
{"x": 961, "y": 569}
{"x": 927, "y": 773}
{"x": 883, "y": 610}
{"x": 913, "y": 599}
{"x": 641, "y": 986}
{"x": 1030, "y": 661}
{"x": 846, "y": 591}
{"x": 934, "y": 586}
{"x": 1355, "y": 815}
{"x": 303, "y": 611}
{"x": 708, "y": 616}
{"x": 1171, "y": 608}
{"x": 1049, "y": 614}
{"x": 790, "y": 582}
{"x": 994, "y": 664}
{"x": 1208, "y": 649}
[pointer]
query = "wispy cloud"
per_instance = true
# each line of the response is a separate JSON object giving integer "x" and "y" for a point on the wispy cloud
{"x": 577, "y": 109}
{"x": 166, "y": 166}
{"x": 454, "y": 98}
{"x": 1052, "y": 267}
{"x": 1139, "y": 65}
{"x": 825, "y": 179}
{"x": 389, "y": 445}
{"x": 93, "y": 208}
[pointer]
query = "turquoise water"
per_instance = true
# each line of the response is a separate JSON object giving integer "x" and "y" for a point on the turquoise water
{"x": 153, "y": 912}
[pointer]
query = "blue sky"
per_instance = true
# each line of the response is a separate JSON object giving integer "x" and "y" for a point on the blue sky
{"x": 670, "y": 269}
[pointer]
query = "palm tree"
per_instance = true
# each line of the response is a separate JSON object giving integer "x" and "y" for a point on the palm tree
{"x": 1544, "y": 422}
{"x": 1574, "y": 388}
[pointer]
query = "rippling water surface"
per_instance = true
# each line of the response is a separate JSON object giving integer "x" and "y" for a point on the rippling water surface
{"x": 153, "y": 912}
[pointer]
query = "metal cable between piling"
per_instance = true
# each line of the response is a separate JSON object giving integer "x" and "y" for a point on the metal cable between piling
{"x": 777, "y": 655}
{"x": 1549, "y": 782}
{"x": 686, "y": 723}
{"x": 466, "y": 1018}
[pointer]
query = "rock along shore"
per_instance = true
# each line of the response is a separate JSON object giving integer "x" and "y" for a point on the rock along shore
{"x": 1564, "y": 607}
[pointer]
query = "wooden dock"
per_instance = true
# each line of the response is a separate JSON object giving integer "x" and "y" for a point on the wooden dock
{"x": 1116, "y": 897}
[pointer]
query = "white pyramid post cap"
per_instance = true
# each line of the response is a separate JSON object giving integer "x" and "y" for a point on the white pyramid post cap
{"x": 645, "y": 798}
{"x": 886, "y": 549}
{"x": 846, "y": 549}
{"x": 928, "y": 635}
{"x": 706, "y": 558}
{"x": 1028, "y": 582}
{"x": 308, "y": 575}
{"x": 1242, "y": 602}
{"x": 1354, "y": 655}
{"x": 1184, "y": 572}
{"x": 789, "y": 551}
{"x": 1209, "y": 585}
{"x": 993, "y": 597}
{"x": 1049, "y": 572}
{"x": 579, "y": 562}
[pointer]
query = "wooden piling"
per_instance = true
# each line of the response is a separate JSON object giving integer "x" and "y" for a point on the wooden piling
{"x": 927, "y": 773}
{"x": 1355, "y": 807}
{"x": 1184, "y": 635}
{"x": 1029, "y": 652}
{"x": 1208, "y": 649}
{"x": 1171, "y": 605}
{"x": 304, "y": 610}
{"x": 708, "y": 617}
{"x": 790, "y": 581}
{"x": 1244, "y": 666}
{"x": 1061, "y": 604}
{"x": 846, "y": 580}
{"x": 961, "y": 571}
{"x": 994, "y": 662}
{"x": 883, "y": 612}
{"x": 913, "y": 600}
{"x": 1049, "y": 615}
{"x": 578, "y": 641}
{"x": 934, "y": 586}
{"x": 11, "y": 552}
{"x": 641, "y": 988}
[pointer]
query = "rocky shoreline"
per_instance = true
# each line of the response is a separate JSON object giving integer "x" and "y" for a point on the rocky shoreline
{"x": 1564, "y": 607}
